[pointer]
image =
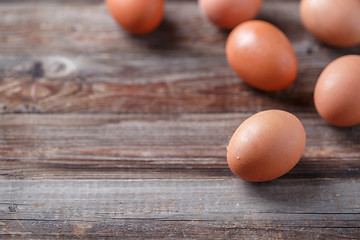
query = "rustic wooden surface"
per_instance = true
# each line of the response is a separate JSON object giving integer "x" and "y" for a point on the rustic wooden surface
{"x": 108, "y": 135}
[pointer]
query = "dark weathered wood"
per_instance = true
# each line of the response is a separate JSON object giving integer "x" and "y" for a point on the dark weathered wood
{"x": 58, "y": 57}
{"x": 174, "y": 209}
{"x": 159, "y": 173}
{"x": 154, "y": 146}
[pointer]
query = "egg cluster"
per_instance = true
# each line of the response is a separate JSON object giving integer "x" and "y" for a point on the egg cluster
{"x": 270, "y": 143}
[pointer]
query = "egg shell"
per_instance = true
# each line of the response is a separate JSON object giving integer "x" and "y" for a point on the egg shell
{"x": 228, "y": 14}
{"x": 337, "y": 91}
{"x": 262, "y": 55}
{"x": 334, "y": 22}
{"x": 137, "y": 16}
{"x": 266, "y": 146}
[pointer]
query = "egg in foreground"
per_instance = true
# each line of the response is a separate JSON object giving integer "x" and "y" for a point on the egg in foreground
{"x": 266, "y": 146}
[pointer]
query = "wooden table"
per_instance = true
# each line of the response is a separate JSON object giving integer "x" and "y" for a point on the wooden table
{"x": 107, "y": 135}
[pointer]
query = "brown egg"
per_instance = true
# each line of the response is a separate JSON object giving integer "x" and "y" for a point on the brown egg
{"x": 334, "y": 22}
{"x": 337, "y": 91}
{"x": 137, "y": 16}
{"x": 230, "y": 13}
{"x": 266, "y": 146}
{"x": 261, "y": 55}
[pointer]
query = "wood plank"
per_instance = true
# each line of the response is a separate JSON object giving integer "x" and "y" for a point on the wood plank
{"x": 69, "y": 56}
{"x": 160, "y": 173}
{"x": 86, "y": 27}
{"x": 180, "y": 209}
{"x": 154, "y": 146}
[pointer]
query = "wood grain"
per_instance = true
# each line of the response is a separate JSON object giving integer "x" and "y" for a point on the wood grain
{"x": 60, "y": 57}
{"x": 154, "y": 146}
{"x": 108, "y": 135}
{"x": 180, "y": 209}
